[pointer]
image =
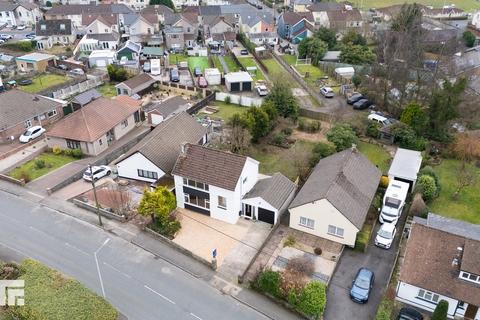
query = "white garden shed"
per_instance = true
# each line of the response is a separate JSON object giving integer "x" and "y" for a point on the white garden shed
{"x": 405, "y": 166}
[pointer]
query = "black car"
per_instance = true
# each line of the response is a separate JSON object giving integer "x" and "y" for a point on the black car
{"x": 197, "y": 72}
{"x": 362, "y": 104}
{"x": 409, "y": 314}
{"x": 354, "y": 98}
{"x": 362, "y": 285}
{"x": 25, "y": 82}
{"x": 244, "y": 52}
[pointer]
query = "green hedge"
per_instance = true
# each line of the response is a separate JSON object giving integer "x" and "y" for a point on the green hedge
{"x": 23, "y": 46}
{"x": 363, "y": 237}
{"x": 49, "y": 295}
{"x": 385, "y": 310}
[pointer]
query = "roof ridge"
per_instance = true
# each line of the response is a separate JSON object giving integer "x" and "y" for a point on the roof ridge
{"x": 86, "y": 123}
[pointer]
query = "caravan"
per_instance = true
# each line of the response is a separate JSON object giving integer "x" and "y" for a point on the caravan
{"x": 394, "y": 201}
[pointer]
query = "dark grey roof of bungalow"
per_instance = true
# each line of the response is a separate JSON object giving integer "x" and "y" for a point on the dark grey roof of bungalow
{"x": 454, "y": 226}
{"x": 347, "y": 179}
{"x": 86, "y": 97}
{"x": 172, "y": 19}
{"x": 275, "y": 190}
{"x": 77, "y": 9}
{"x": 114, "y": 36}
{"x": 163, "y": 145}
{"x": 130, "y": 18}
{"x": 169, "y": 107}
{"x": 132, "y": 46}
{"x": 53, "y": 27}
{"x": 210, "y": 10}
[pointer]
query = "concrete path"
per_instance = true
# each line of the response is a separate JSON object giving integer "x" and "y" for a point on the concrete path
{"x": 21, "y": 155}
{"x": 224, "y": 64}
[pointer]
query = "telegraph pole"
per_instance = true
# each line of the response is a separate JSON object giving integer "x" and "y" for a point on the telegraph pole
{"x": 95, "y": 196}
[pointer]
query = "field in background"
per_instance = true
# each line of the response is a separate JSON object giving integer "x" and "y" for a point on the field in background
{"x": 467, "y": 5}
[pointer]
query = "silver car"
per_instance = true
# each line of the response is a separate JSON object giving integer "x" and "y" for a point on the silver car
{"x": 327, "y": 92}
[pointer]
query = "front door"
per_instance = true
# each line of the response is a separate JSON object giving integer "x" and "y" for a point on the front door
{"x": 471, "y": 312}
{"x": 248, "y": 211}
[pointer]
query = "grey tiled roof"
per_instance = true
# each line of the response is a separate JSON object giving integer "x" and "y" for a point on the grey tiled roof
{"x": 17, "y": 106}
{"x": 347, "y": 179}
{"x": 86, "y": 97}
{"x": 168, "y": 107}
{"x": 52, "y": 27}
{"x": 274, "y": 190}
{"x": 76, "y": 9}
{"x": 460, "y": 228}
{"x": 163, "y": 145}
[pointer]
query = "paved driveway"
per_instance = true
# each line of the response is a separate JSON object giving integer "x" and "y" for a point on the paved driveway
{"x": 380, "y": 261}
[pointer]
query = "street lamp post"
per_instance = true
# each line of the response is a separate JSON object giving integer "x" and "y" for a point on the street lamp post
{"x": 95, "y": 196}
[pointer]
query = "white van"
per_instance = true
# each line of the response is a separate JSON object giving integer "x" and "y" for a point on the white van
{"x": 155, "y": 67}
{"x": 379, "y": 119}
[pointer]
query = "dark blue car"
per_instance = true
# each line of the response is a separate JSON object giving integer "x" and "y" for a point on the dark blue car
{"x": 362, "y": 285}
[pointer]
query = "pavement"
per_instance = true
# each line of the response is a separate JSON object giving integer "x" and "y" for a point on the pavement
{"x": 21, "y": 155}
{"x": 380, "y": 261}
{"x": 136, "y": 273}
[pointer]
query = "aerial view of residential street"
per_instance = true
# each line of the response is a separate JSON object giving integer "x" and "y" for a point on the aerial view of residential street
{"x": 239, "y": 159}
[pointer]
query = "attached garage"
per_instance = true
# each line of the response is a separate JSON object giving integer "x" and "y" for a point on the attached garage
{"x": 268, "y": 199}
{"x": 238, "y": 81}
{"x": 405, "y": 166}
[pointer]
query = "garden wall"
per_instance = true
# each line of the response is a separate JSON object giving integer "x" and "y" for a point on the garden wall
{"x": 239, "y": 99}
{"x": 104, "y": 213}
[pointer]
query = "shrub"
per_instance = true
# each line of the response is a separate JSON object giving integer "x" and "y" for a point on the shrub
{"x": 373, "y": 130}
{"x": 321, "y": 150}
{"x": 312, "y": 299}
{"x": 426, "y": 186}
{"x": 57, "y": 150}
{"x": 317, "y": 251}
{"x": 309, "y": 126}
{"x": 48, "y": 3}
{"x": 418, "y": 207}
{"x": 228, "y": 100}
{"x": 269, "y": 282}
{"x": 441, "y": 310}
{"x": 302, "y": 265}
{"x": 168, "y": 227}
{"x": 384, "y": 311}
{"x": 290, "y": 242}
{"x": 10, "y": 271}
{"x": 377, "y": 201}
{"x": 77, "y": 153}
{"x": 67, "y": 152}
{"x": 292, "y": 298}
{"x": 342, "y": 136}
{"x": 384, "y": 181}
{"x": 428, "y": 170}
{"x": 25, "y": 176}
{"x": 279, "y": 139}
{"x": 287, "y": 131}
{"x": 39, "y": 164}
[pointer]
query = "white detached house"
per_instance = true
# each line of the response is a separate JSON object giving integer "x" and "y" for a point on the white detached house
{"x": 213, "y": 182}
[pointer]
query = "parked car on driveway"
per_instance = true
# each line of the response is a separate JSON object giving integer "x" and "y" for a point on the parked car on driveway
{"x": 409, "y": 314}
{"x": 25, "y": 82}
{"x": 385, "y": 235}
{"x": 362, "y": 104}
{"x": 362, "y": 285}
{"x": 202, "y": 82}
{"x": 375, "y": 117}
{"x": 197, "y": 72}
{"x": 262, "y": 90}
{"x": 77, "y": 72}
{"x": 21, "y": 27}
{"x": 354, "y": 98}
{"x": 62, "y": 66}
{"x": 31, "y": 133}
{"x": 4, "y": 36}
{"x": 327, "y": 92}
{"x": 244, "y": 52}
{"x": 2, "y": 41}
{"x": 30, "y": 35}
{"x": 174, "y": 75}
{"x": 97, "y": 172}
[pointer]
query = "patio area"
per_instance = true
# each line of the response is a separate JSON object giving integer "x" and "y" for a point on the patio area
{"x": 236, "y": 244}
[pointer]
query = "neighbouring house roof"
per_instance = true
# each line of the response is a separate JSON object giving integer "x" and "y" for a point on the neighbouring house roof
{"x": 332, "y": 55}
{"x": 213, "y": 167}
{"x": 209, "y": 10}
{"x": 213, "y": 20}
{"x": 428, "y": 263}
{"x": 172, "y": 19}
{"x": 157, "y": 9}
{"x": 92, "y": 121}
{"x": 35, "y": 57}
{"x": 274, "y": 190}
{"x": 292, "y": 18}
{"x": 7, "y": 6}
{"x": 191, "y": 17}
{"x": 152, "y": 51}
{"x": 441, "y": 11}
{"x": 86, "y": 97}
{"x": 406, "y": 164}
{"x": 129, "y": 18}
{"x": 137, "y": 81}
{"x": 135, "y": 47}
{"x": 458, "y": 227}
{"x": 53, "y": 27}
{"x": 17, "y": 106}
{"x": 163, "y": 145}
{"x": 240, "y": 76}
{"x": 114, "y": 36}
{"x": 169, "y": 107}
{"x": 102, "y": 54}
{"x": 344, "y": 15}
{"x": 151, "y": 18}
{"x": 262, "y": 35}
{"x": 325, "y": 6}
{"x": 107, "y": 19}
{"x": 77, "y": 9}
{"x": 170, "y": 29}
{"x": 347, "y": 179}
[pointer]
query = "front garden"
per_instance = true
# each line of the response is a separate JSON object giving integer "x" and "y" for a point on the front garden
{"x": 51, "y": 295}
{"x": 44, "y": 163}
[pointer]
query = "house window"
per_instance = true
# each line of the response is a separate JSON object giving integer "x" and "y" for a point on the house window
{"x": 197, "y": 201}
{"x": 73, "y": 144}
{"x": 100, "y": 142}
{"x": 43, "y": 27}
{"x": 305, "y": 222}
{"x": 335, "y": 231}
{"x": 195, "y": 184}
{"x": 106, "y": 31}
{"x": 52, "y": 113}
{"x": 147, "y": 174}
{"x": 125, "y": 123}
{"x": 28, "y": 123}
{"x": 222, "y": 202}
{"x": 19, "y": 14}
{"x": 62, "y": 26}
{"x": 428, "y": 296}
{"x": 470, "y": 277}
{"x": 245, "y": 180}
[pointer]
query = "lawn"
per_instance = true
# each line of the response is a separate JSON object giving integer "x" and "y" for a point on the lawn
{"x": 467, "y": 5}
{"x": 177, "y": 58}
{"x": 467, "y": 206}
{"x": 250, "y": 62}
{"x": 277, "y": 70}
{"x": 290, "y": 59}
{"x": 225, "y": 111}
{"x": 217, "y": 64}
{"x": 376, "y": 154}
{"x": 201, "y": 62}
{"x": 51, "y": 295}
{"x": 52, "y": 162}
{"x": 232, "y": 66}
{"x": 275, "y": 159}
{"x": 43, "y": 82}
{"x": 107, "y": 89}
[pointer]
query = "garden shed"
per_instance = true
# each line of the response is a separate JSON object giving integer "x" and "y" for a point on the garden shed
{"x": 238, "y": 81}
{"x": 405, "y": 166}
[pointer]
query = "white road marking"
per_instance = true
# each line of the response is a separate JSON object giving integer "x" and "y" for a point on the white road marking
{"x": 35, "y": 194}
{"x": 13, "y": 249}
{"x": 78, "y": 249}
{"x": 122, "y": 273}
{"x": 195, "y": 316}
{"x": 103, "y": 245}
{"x": 159, "y": 294}
{"x": 99, "y": 274}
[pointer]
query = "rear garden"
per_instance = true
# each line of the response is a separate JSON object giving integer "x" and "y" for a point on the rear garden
{"x": 107, "y": 89}
{"x": 231, "y": 64}
{"x": 200, "y": 62}
{"x": 177, "y": 58}
{"x": 250, "y": 62}
{"x": 43, "y": 82}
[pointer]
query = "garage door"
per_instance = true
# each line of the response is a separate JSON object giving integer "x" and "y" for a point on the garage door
{"x": 101, "y": 63}
{"x": 266, "y": 215}
{"x": 235, "y": 86}
{"x": 247, "y": 86}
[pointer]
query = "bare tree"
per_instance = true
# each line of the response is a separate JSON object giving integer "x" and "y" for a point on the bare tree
{"x": 118, "y": 199}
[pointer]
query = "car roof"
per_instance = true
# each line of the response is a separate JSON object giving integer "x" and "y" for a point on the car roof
{"x": 388, "y": 227}
{"x": 376, "y": 116}
{"x": 365, "y": 272}
{"x": 34, "y": 127}
{"x": 327, "y": 88}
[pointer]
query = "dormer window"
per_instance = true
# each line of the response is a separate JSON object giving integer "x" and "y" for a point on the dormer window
{"x": 43, "y": 27}
{"x": 62, "y": 26}
{"x": 469, "y": 277}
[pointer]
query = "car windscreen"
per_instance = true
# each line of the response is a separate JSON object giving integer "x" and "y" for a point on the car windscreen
{"x": 27, "y": 133}
{"x": 87, "y": 172}
{"x": 384, "y": 234}
{"x": 362, "y": 282}
{"x": 392, "y": 202}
